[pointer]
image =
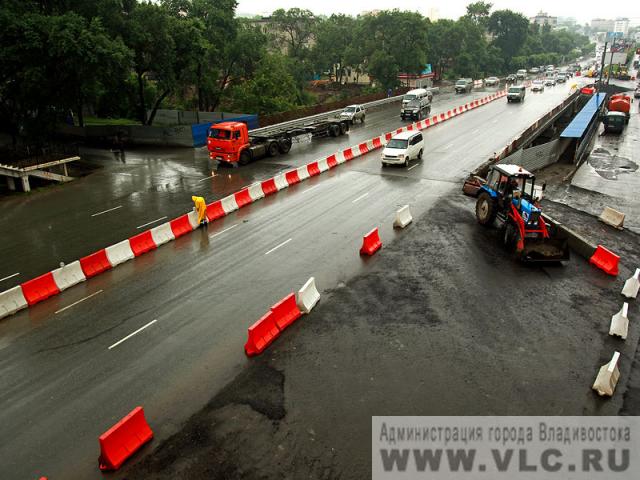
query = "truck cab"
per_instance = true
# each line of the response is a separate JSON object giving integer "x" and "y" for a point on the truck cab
{"x": 226, "y": 141}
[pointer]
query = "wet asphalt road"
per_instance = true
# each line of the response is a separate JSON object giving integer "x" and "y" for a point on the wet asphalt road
{"x": 147, "y": 187}
{"x": 194, "y": 298}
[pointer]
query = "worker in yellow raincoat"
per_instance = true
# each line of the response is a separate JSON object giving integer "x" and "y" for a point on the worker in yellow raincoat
{"x": 200, "y": 207}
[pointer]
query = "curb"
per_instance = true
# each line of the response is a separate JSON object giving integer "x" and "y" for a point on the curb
{"x": 577, "y": 242}
{"x": 52, "y": 283}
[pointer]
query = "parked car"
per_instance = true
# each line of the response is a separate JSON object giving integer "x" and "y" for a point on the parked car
{"x": 353, "y": 113}
{"x": 492, "y": 82}
{"x": 636, "y": 93}
{"x": 402, "y": 148}
{"x": 537, "y": 86}
{"x": 516, "y": 93}
{"x": 614, "y": 122}
{"x": 464, "y": 85}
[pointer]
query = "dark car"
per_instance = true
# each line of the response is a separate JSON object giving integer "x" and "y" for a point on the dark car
{"x": 512, "y": 78}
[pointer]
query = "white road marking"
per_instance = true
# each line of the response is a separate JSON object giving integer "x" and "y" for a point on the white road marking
{"x": 412, "y": 167}
{"x": 132, "y": 334}
{"x": 360, "y": 197}
{"x": 127, "y": 174}
{"x": 207, "y": 178}
{"x": 278, "y": 246}
{"x": 10, "y": 276}
{"x": 309, "y": 189}
{"x": 107, "y": 211}
{"x": 222, "y": 231}
{"x": 152, "y": 221}
{"x": 79, "y": 301}
{"x": 495, "y": 121}
{"x": 475, "y": 131}
{"x": 448, "y": 146}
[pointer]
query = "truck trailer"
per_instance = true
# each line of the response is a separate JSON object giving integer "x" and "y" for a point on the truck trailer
{"x": 231, "y": 142}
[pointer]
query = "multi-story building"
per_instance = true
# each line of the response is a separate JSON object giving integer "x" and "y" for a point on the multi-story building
{"x": 621, "y": 25}
{"x": 543, "y": 18}
{"x": 602, "y": 25}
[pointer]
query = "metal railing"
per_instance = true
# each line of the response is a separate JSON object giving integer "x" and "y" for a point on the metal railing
{"x": 305, "y": 121}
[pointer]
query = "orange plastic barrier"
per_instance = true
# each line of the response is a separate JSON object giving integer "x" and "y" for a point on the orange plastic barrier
{"x": 95, "y": 263}
{"x": 181, "y": 226}
{"x": 269, "y": 187}
{"x": 371, "y": 243}
{"x": 313, "y": 169}
{"x": 243, "y": 198}
{"x": 142, "y": 243}
{"x": 292, "y": 177}
{"x": 286, "y": 311}
{"x": 605, "y": 260}
{"x": 215, "y": 211}
{"x": 40, "y": 288}
{"x": 261, "y": 334}
{"x": 123, "y": 440}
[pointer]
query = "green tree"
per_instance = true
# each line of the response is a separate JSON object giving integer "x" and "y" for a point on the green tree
{"x": 478, "y": 12}
{"x": 510, "y": 30}
{"x": 296, "y": 28}
{"x": 334, "y": 44}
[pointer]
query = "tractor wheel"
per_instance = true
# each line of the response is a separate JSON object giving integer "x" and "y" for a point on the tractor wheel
{"x": 272, "y": 149}
{"x": 284, "y": 145}
{"x": 245, "y": 158}
{"x": 510, "y": 237}
{"x": 485, "y": 209}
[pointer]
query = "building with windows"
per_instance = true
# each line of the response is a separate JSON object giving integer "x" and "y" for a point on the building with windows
{"x": 621, "y": 25}
{"x": 543, "y": 18}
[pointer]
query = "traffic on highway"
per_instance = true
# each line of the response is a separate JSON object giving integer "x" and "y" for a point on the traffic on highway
{"x": 250, "y": 307}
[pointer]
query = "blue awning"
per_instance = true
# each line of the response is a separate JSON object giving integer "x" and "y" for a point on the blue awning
{"x": 581, "y": 121}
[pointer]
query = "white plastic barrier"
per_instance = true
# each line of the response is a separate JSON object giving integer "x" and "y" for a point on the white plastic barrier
{"x": 620, "y": 322}
{"x": 11, "y": 301}
{"x": 612, "y": 217}
{"x": 340, "y": 157}
{"x": 69, "y": 275}
{"x": 281, "y": 181}
{"x": 632, "y": 285}
{"x": 608, "y": 377}
{"x": 229, "y": 204}
{"x": 256, "y": 192}
{"x": 162, "y": 234}
{"x": 303, "y": 173}
{"x": 193, "y": 218}
{"x": 308, "y": 296}
{"x": 403, "y": 217}
{"x": 323, "y": 165}
{"x": 119, "y": 253}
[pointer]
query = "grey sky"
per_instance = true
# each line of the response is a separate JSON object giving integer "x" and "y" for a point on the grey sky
{"x": 582, "y": 10}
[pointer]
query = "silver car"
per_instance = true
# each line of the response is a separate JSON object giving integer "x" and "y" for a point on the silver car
{"x": 353, "y": 113}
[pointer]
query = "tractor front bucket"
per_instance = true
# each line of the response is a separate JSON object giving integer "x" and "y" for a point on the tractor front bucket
{"x": 545, "y": 250}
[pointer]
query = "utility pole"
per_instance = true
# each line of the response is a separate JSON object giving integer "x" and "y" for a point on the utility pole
{"x": 604, "y": 54}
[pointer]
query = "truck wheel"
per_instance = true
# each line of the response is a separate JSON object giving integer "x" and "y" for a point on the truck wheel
{"x": 334, "y": 130}
{"x": 429, "y": 110}
{"x": 284, "y": 145}
{"x": 362, "y": 119}
{"x": 244, "y": 158}
{"x": 485, "y": 209}
{"x": 343, "y": 128}
{"x": 272, "y": 149}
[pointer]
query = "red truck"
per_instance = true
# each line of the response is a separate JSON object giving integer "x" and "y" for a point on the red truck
{"x": 231, "y": 142}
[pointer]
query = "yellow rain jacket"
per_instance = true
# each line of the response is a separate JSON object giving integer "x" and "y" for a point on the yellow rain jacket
{"x": 201, "y": 208}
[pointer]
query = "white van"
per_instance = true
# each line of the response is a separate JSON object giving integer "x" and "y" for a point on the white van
{"x": 418, "y": 93}
{"x": 402, "y": 148}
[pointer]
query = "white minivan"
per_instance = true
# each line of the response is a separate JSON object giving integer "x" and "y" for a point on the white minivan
{"x": 403, "y": 148}
{"x": 416, "y": 94}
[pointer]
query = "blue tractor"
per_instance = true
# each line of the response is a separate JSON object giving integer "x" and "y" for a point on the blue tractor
{"x": 509, "y": 197}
